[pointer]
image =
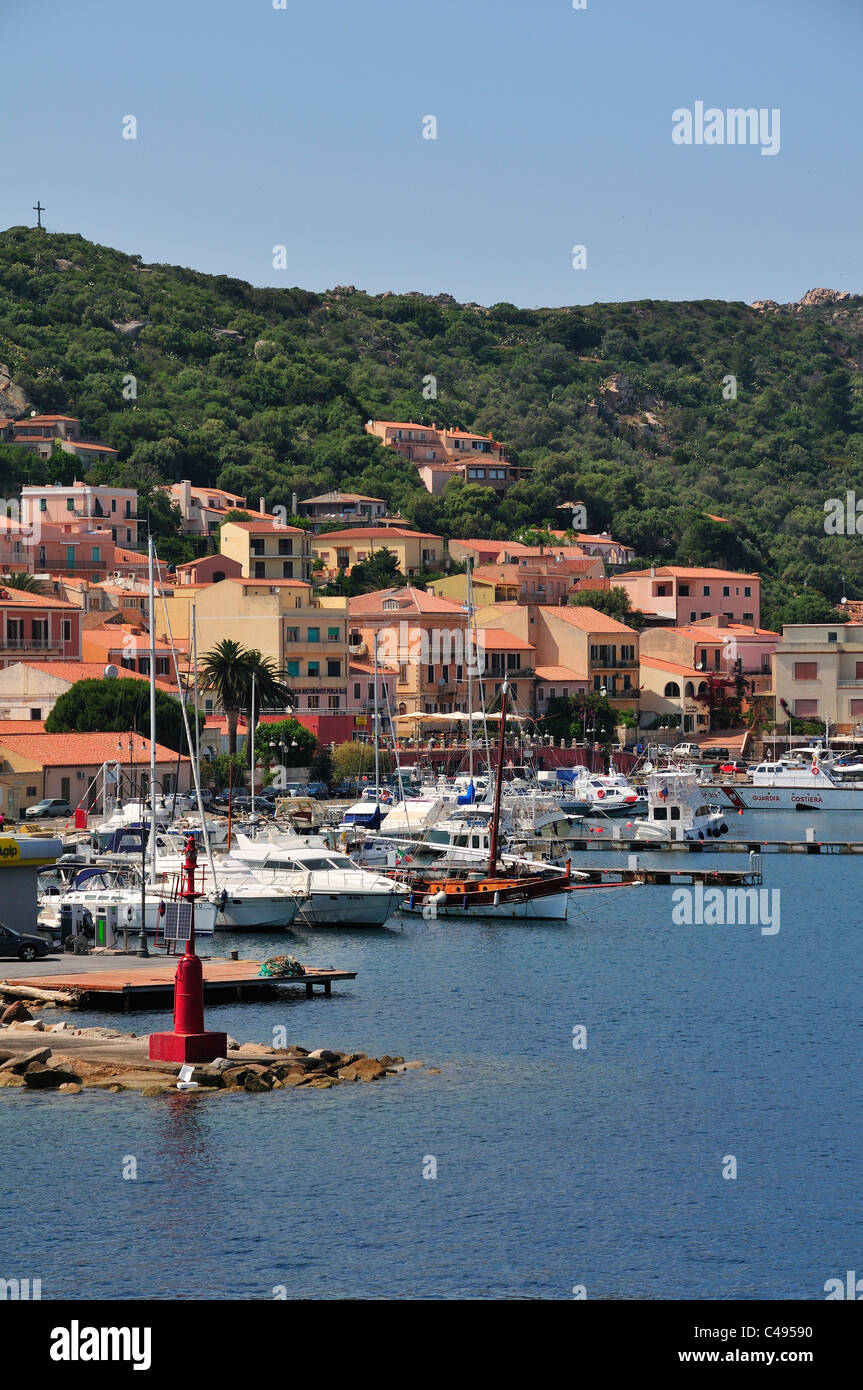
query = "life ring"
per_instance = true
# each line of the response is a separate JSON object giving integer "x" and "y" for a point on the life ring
{"x": 600, "y": 794}
{"x": 815, "y": 769}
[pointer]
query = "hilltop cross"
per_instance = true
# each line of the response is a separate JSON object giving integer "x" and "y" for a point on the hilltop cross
{"x": 38, "y": 209}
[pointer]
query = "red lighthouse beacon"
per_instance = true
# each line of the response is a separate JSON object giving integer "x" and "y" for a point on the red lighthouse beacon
{"x": 189, "y": 1042}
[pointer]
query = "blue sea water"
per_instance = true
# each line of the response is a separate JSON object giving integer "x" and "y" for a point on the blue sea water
{"x": 555, "y": 1166}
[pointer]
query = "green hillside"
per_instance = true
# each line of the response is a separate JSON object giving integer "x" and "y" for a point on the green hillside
{"x": 266, "y": 391}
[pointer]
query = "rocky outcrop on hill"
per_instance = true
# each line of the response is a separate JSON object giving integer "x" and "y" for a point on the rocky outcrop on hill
{"x": 812, "y": 299}
{"x": 14, "y": 401}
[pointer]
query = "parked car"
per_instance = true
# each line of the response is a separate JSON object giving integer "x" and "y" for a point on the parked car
{"x": 319, "y": 790}
{"x": 21, "y": 944}
{"x": 47, "y": 808}
{"x": 685, "y": 750}
{"x": 737, "y": 765}
{"x": 351, "y": 786}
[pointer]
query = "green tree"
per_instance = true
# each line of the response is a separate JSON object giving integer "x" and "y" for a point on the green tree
{"x": 121, "y": 705}
{"x": 228, "y": 671}
{"x": 355, "y": 759}
{"x": 614, "y": 602}
{"x": 299, "y": 743}
{"x": 21, "y": 580}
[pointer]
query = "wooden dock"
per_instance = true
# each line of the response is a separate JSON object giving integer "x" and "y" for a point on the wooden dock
{"x": 726, "y": 845}
{"x": 715, "y": 878}
{"x": 137, "y": 983}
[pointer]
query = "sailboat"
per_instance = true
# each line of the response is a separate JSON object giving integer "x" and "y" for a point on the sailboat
{"x": 502, "y": 891}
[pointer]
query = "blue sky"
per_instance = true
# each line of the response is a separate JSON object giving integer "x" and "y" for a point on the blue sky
{"x": 302, "y": 127}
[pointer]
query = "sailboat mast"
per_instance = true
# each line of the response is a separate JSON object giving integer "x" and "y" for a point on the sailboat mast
{"x": 471, "y": 649}
{"x": 498, "y": 785}
{"x": 252, "y": 740}
{"x": 377, "y": 726}
{"x": 151, "y": 593}
{"x": 195, "y": 679}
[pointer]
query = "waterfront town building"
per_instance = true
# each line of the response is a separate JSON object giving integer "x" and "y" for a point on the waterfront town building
{"x": 42, "y": 434}
{"x": 267, "y": 549}
{"x": 443, "y": 454}
{"x": 673, "y": 595}
{"x": 414, "y": 551}
{"x": 818, "y": 674}
{"x": 203, "y": 509}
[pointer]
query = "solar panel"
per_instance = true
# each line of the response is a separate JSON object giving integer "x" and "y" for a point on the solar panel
{"x": 177, "y": 921}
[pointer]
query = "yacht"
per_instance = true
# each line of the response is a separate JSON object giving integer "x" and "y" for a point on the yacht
{"x": 105, "y": 903}
{"x": 334, "y": 891}
{"x": 677, "y": 810}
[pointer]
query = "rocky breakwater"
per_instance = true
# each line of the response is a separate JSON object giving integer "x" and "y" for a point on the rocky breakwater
{"x": 71, "y": 1059}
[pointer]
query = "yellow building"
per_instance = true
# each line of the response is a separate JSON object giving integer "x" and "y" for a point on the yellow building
{"x": 306, "y": 637}
{"x": 266, "y": 549}
{"x": 414, "y": 550}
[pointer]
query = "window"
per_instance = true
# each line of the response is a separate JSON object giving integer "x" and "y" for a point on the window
{"x": 314, "y": 668}
{"x": 334, "y": 668}
{"x": 313, "y": 634}
{"x": 540, "y": 694}
{"x": 286, "y": 547}
{"x": 858, "y": 670}
{"x": 257, "y": 547}
{"x": 805, "y": 707}
{"x": 95, "y": 552}
{"x": 314, "y": 702}
{"x": 161, "y": 666}
{"x": 343, "y": 558}
{"x": 726, "y": 591}
{"x": 833, "y": 637}
{"x": 333, "y": 634}
{"x": 403, "y": 676}
{"x": 683, "y": 590}
{"x": 705, "y": 615}
{"x": 260, "y": 569}
{"x": 430, "y": 675}
{"x": 70, "y": 504}
{"x": 292, "y": 634}
{"x": 627, "y": 653}
{"x": 293, "y": 668}
{"x": 707, "y": 591}
{"x": 287, "y": 569}
{"x": 749, "y": 617}
{"x": 357, "y": 690}
{"x": 806, "y": 670}
{"x": 35, "y": 714}
{"x": 334, "y": 701}
{"x": 67, "y": 629}
{"x": 43, "y": 507}
{"x": 856, "y": 707}
{"x": 747, "y": 591}
{"x": 672, "y": 690}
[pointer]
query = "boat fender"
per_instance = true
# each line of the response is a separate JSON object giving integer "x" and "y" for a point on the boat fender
{"x": 701, "y": 834}
{"x": 497, "y": 899}
{"x": 723, "y": 829}
{"x": 440, "y": 899}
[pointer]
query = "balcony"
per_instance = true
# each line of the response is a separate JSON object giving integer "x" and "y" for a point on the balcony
{"x": 32, "y": 644}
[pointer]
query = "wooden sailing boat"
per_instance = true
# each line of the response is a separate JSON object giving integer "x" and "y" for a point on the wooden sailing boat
{"x": 501, "y": 892}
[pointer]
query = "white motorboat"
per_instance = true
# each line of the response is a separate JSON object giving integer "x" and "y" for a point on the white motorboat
{"x": 677, "y": 810}
{"x": 103, "y": 907}
{"x": 334, "y": 890}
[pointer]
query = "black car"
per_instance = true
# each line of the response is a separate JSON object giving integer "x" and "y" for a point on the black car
{"x": 21, "y": 945}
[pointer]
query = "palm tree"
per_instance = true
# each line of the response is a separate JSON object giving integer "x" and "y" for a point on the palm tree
{"x": 227, "y": 670}
{"x": 22, "y": 580}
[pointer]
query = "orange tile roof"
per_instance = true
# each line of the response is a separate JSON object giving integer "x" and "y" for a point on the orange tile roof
{"x": 11, "y": 598}
{"x": 558, "y": 673}
{"x": 249, "y": 583}
{"x": 73, "y": 671}
{"x": 82, "y": 750}
{"x": 498, "y": 639}
{"x": 417, "y": 599}
{"x": 721, "y": 633}
{"x": 364, "y": 533}
{"x": 684, "y": 572}
{"x": 21, "y": 726}
{"x": 676, "y": 668}
{"x": 589, "y": 619}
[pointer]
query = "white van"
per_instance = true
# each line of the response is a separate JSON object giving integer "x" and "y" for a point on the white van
{"x": 686, "y": 750}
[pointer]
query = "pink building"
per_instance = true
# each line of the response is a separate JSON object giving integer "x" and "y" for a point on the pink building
{"x": 113, "y": 511}
{"x": 35, "y": 625}
{"x": 674, "y": 595}
{"x": 441, "y": 454}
